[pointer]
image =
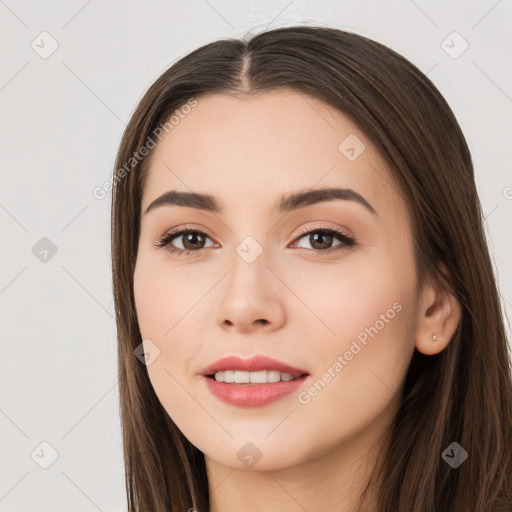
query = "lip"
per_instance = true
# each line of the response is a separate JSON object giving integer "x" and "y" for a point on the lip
{"x": 252, "y": 364}
{"x": 252, "y": 395}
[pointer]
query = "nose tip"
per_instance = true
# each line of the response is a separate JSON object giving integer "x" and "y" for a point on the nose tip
{"x": 249, "y": 300}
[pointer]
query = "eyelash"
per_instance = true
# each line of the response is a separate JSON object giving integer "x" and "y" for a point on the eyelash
{"x": 347, "y": 240}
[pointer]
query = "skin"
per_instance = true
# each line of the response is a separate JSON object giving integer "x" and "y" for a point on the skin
{"x": 248, "y": 152}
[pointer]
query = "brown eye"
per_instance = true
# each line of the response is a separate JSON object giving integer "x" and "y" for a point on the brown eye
{"x": 321, "y": 240}
{"x": 193, "y": 240}
{"x": 186, "y": 240}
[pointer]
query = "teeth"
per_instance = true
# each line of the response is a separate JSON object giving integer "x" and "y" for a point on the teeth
{"x": 262, "y": 377}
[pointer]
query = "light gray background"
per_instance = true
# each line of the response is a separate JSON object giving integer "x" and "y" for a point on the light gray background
{"x": 61, "y": 121}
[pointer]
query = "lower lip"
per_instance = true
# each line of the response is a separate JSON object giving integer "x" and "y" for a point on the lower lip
{"x": 252, "y": 395}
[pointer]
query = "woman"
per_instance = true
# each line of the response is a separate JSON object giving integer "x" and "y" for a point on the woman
{"x": 301, "y": 272}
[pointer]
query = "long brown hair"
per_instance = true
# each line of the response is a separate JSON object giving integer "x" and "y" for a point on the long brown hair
{"x": 462, "y": 394}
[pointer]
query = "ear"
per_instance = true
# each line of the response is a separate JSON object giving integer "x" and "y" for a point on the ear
{"x": 439, "y": 315}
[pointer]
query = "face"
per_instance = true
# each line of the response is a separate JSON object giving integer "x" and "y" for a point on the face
{"x": 325, "y": 285}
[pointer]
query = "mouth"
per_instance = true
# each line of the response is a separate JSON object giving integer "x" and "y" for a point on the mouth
{"x": 252, "y": 382}
{"x": 260, "y": 377}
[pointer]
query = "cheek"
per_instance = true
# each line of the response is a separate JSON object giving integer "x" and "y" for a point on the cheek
{"x": 366, "y": 341}
{"x": 150, "y": 297}
{"x": 160, "y": 307}
{"x": 167, "y": 302}
{"x": 164, "y": 296}
{"x": 346, "y": 298}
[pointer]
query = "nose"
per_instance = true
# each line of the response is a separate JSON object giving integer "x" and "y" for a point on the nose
{"x": 251, "y": 298}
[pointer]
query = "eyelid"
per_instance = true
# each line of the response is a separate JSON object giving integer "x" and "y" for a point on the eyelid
{"x": 180, "y": 231}
{"x": 304, "y": 230}
{"x": 348, "y": 241}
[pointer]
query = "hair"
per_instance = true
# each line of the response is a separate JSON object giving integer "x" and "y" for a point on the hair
{"x": 462, "y": 394}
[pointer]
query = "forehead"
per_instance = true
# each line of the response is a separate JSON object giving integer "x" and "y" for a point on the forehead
{"x": 252, "y": 149}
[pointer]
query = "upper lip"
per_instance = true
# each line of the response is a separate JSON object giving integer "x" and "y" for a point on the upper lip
{"x": 252, "y": 364}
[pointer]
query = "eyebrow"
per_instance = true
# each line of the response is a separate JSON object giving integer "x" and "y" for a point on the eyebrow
{"x": 286, "y": 203}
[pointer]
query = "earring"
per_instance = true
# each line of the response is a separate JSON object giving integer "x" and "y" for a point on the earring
{"x": 434, "y": 338}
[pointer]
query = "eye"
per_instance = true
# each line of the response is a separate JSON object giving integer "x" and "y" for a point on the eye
{"x": 192, "y": 240}
{"x": 322, "y": 238}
